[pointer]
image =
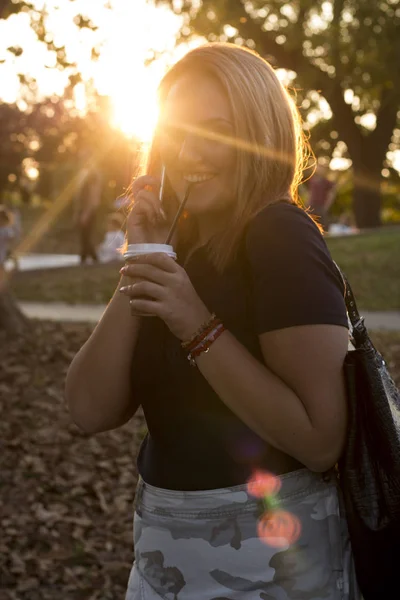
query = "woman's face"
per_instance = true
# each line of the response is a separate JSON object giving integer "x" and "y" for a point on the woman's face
{"x": 197, "y": 111}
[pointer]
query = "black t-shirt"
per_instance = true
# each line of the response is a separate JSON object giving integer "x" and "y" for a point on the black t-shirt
{"x": 283, "y": 277}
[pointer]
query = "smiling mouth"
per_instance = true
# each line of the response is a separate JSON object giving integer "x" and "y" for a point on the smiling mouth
{"x": 198, "y": 178}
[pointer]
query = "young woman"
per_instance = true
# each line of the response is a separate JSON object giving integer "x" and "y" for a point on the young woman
{"x": 260, "y": 408}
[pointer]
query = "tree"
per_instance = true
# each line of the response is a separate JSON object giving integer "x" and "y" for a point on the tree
{"x": 16, "y": 131}
{"x": 12, "y": 147}
{"x": 346, "y": 50}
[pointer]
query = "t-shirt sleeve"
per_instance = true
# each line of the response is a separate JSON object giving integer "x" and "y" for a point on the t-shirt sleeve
{"x": 294, "y": 281}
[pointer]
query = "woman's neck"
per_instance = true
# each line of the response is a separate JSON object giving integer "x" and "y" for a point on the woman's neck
{"x": 197, "y": 231}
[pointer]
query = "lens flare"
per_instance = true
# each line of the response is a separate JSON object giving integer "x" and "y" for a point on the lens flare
{"x": 276, "y": 527}
{"x": 279, "y": 528}
{"x": 263, "y": 484}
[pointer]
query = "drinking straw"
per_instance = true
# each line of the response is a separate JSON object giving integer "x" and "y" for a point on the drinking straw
{"x": 161, "y": 195}
{"x": 178, "y": 214}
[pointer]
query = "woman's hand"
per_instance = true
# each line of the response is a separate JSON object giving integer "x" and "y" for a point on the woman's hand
{"x": 165, "y": 291}
{"x": 146, "y": 221}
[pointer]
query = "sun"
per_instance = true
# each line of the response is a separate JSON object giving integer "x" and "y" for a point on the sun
{"x": 135, "y": 112}
{"x": 131, "y": 31}
{"x": 135, "y": 118}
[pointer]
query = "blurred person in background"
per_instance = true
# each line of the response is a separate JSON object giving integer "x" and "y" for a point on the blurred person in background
{"x": 86, "y": 205}
{"x": 9, "y": 235}
{"x": 15, "y": 215}
{"x": 345, "y": 225}
{"x": 110, "y": 248}
{"x": 321, "y": 194}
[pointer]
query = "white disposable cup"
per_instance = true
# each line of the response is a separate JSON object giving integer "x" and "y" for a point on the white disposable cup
{"x": 134, "y": 250}
{"x": 143, "y": 249}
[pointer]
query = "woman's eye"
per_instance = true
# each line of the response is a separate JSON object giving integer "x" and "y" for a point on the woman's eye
{"x": 171, "y": 138}
{"x": 207, "y": 137}
{"x": 218, "y": 130}
{"x": 218, "y": 133}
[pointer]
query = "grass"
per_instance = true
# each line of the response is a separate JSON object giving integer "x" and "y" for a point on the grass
{"x": 370, "y": 261}
{"x": 388, "y": 344}
{"x": 89, "y": 284}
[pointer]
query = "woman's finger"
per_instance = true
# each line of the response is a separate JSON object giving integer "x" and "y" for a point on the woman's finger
{"x": 141, "y": 182}
{"x": 160, "y": 260}
{"x": 142, "y": 289}
{"x": 138, "y": 270}
{"x": 143, "y": 210}
{"x": 152, "y": 200}
{"x": 143, "y": 308}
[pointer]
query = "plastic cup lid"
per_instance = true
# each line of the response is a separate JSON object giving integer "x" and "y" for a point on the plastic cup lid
{"x": 150, "y": 248}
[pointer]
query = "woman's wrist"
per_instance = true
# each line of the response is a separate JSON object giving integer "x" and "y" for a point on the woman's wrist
{"x": 203, "y": 338}
{"x": 196, "y": 325}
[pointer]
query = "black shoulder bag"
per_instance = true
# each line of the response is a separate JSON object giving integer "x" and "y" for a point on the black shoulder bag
{"x": 369, "y": 469}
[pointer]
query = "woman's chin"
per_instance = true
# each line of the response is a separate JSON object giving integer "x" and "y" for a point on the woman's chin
{"x": 200, "y": 207}
{"x": 203, "y": 197}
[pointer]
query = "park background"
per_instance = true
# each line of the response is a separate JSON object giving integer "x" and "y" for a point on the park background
{"x": 83, "y": 73}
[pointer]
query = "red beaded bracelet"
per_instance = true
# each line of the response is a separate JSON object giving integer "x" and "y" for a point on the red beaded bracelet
{"x": 201, "y": 333}
{"x": 205, "y": 344}
{"x": 199, "y": 339}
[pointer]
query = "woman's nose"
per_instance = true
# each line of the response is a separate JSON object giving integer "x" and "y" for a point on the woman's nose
{"x": 190, "y": 152}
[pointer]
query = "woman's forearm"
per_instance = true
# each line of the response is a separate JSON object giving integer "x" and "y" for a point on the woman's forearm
{"x": 98, "y": 387}
{"x": 262, "y": 400}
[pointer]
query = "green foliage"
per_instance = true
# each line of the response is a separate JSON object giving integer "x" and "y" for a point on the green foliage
{"x": 10, "y": 7}
{"x": 12, "y": 148}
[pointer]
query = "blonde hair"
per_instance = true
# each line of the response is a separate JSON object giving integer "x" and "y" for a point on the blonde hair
{"x": 272, "y": 150}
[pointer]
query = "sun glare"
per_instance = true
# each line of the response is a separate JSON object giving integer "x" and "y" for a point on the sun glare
{"x": 136, "y": 29}
{"x": 135, "y": 113}
{"x": 135, "y": 119}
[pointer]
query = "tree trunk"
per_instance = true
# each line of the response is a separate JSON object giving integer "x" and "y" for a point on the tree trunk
{"x": 12, "y": 320}
{"x": 367, "y": 197}
{"x": 368, "y": 159}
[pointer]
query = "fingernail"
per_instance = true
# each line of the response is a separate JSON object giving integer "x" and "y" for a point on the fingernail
{"x": 123, "y": 289}
{"x": 123, "y": 270}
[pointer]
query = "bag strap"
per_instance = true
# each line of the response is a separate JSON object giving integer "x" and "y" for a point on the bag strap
{"x": 356, "y": 320}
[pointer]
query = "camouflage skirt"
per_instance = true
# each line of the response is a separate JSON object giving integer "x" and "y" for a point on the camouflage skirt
{"x": 248, "y": 542}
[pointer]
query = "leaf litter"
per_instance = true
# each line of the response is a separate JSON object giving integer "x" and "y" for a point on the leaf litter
{"x": 66, "y": 498}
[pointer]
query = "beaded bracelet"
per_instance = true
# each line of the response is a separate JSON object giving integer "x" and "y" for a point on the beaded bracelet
{"x": 205, "y": 344}
{"x": 198, "y": 339}
{"x": 199, "y": 334}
